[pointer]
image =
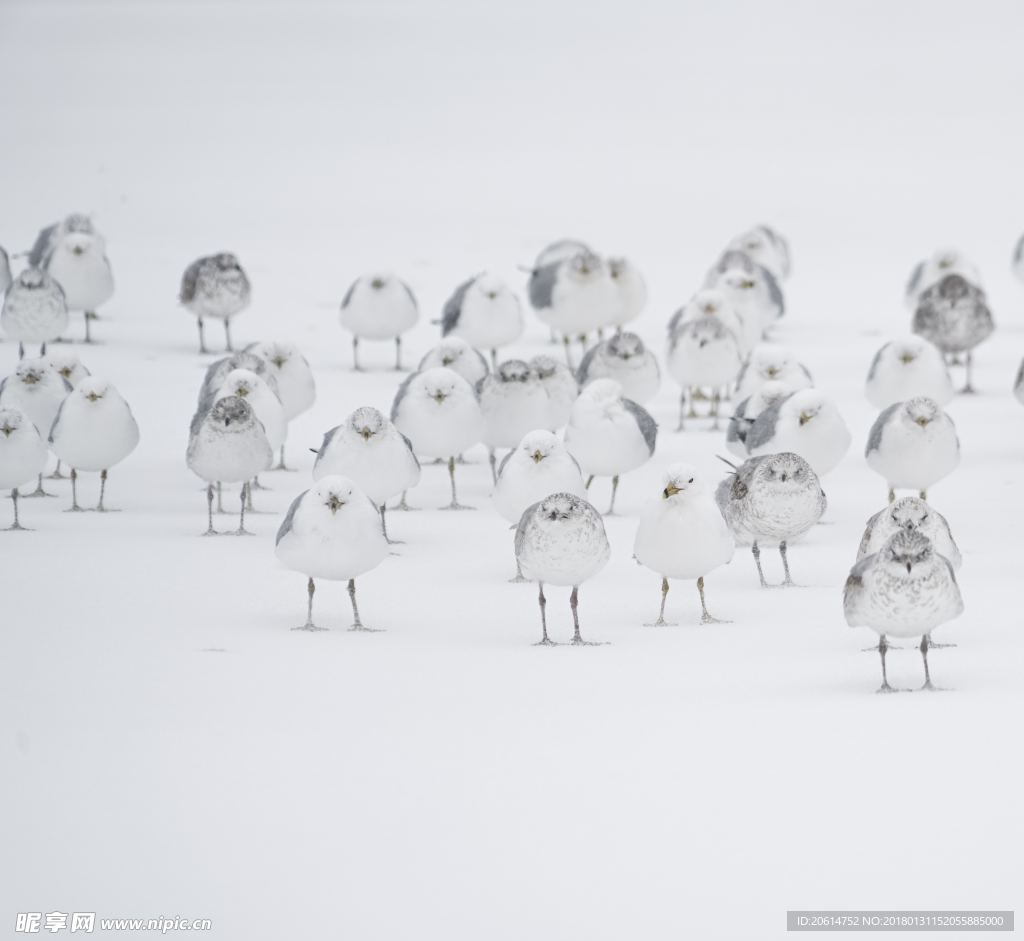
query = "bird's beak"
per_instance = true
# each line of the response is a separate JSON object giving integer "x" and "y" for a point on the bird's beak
{"x": 805, "y": 418}
{"x": 78, "y": 249}
{"x": 492, "y": 295}
{"x": 334, "y": 504}
{"x": 377, "y": 284}
{"x": 242, "y": 392}
{"x": 907, "y": 359}
{"x": 439, "y": 397}
{"x": 278, "y": 362}
{"x": 94, "y": 396}
{"x": 366, "y": 433}
{"x": 7, "y": 429}
{"x": 922, "y": 421}
{"x": 747, "y": 284}
{"x": 537, "y": 457}
{"x": 772, "y": 372}
{"x": 446, "y": 361}
{"x": 670, "y": 491}
{"x": 784, "y": 476}
{"x": 909, "y": 567}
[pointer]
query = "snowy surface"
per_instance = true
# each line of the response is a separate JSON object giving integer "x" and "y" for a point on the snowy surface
{"x": 171, "y": 748}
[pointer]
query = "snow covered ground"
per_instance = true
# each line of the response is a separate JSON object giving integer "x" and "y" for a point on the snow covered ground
{"x": 171, "y": 748}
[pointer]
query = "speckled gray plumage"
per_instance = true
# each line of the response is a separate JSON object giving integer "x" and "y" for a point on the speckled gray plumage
{"x": 189, "y": 280}
{"x": 878, "y": 428}
{"x": 453, "y": 307}
{"x": 647, "y": 425}
{"x": 542, "y": 285}
{"x": 953, "y": 315}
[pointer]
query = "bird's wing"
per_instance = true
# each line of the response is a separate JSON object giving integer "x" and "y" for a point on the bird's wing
{"x": 584, "y": 367}
{"x": 328, "y": 438}
{"x": 56, "y": 418}
{"x": 877, "y": 429}
{"x": 874, "y": 362}
{"x": 483, "y": 360}
{"x": 348, "y": 294}
{"x": 647, "y": 425}
{"x": 40, "y": 253}
{"x": 774, "y": 291}
{"x": 453, "y": 307}
{"x": 914, "y": 282}
{"x": 1018, "y": 251}
{"x": 286, "y": 525}
{"x": 855, "y": 589}
{"x": 196, "y": 423}
{"x": 408, "y": 444}
{"x": 524, "y": 521}
{"x": 400, "y": 394}
{"x": 868, "y": 531}
{"x": 763, "y": 429}
{"x": 189, "y": 280}
{"x": 542, "y": 285}
{"x": 739, "y": 424}
{"x": 504, "y": 461}
{"x": 411, "y": 296}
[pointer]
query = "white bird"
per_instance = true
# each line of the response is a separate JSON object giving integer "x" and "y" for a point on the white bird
{"x": 559, "y": 383}
{"x": 539, "y": 466}
{"x": 630, "y": 291}
{"x": 457, "y": 355}
{"x": 906, "y": 589}
{"x": 264, "y": 401}
{"x": 930, "y": 271}
{"x": 68, "y": 366}
{"x": 625, "y": 359}
{"x": 438, "y": 411}
{"x": 94, "y": 430}
{"x": 22, "y": 455}
{"x": 559, "y": 251}
{"x": 907, "y": 367}
{"x": 702, "y": 354}
{"x": 215, "y": 287}
{"x": 378, "y": 307}
{"x": 710, "y": 302}
{"x": 807, "y": 423}
{"x": 373, "y": 453}
{"x": 749, "y": 287}
{"x": 74, "y": 254}
{"x": 227, "y": 444}
{"x": 512, "y": 402}
{"x": 332, "y": 531}
{"x": 295, "y": 385}
{"x": 766, "y": 247}
{"x": 913, "y": 445}
{"x": 485, "y": 312}
{"x": 913, "y": 515}
{"x": 682, "y": 534}
{"x": 217, "y": 372}
{"x": 34, "y": 310}
{"x": 561, "y": 541}
{"x": 36, "y": 389}
{"x": 770, "y": 361}
{"x": 747, "y": 412}
{"x": 609, "y": 435}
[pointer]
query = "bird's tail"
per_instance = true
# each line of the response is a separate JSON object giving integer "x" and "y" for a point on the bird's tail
{"x": 726, "y": 460}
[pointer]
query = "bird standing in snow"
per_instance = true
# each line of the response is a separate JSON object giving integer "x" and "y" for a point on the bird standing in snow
{"x": 215, "y": 287}
{"x": 630, "y": 292}
{"x": 373, "y": 453}
{"x": 906, "y": 589}
{"x": 227, "y": 444}
{"x": 217, "y": 372}
{"x": 913, "y": 445}
{"x": 485, "y": 312}
{"x": 766, "y": 247}
{"x": 771, "y": 500}
{"x": 702, "y": 354}
{"x": 22, "y": 455}
{"x": 379, "y": 307}
{"x": 625, "y": 359}
{"x": 332, "y": 531}
{"x": 437, "y": 410}
{"x": 770, "y": 362}
{"x": 513, "y": 402}
{"x": 539, "y": 466}
{"x": 295, "y": 386}
{"x": 682, "y": 534}
{"x": 34, "y": 310}
{"x": 559, "y": 384}
{"x": 905, "y": 368}
{"x": 457, "y": 355}
{"x": 709, "y": 302}
{"x": 748, "y": 411}
{"x": 751, "y": 289}
{"x": 930, "y": 271}
{"x": 94, "y": 430}
{"x": 609, "y": 435}
{"x": 806, "y": 423}
{"x": 36, "y": 389}
{"x": 561, "y": 541}
{"x": 909, "y": 514}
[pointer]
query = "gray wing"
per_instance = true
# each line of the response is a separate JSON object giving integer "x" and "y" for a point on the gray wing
{"x": 774, "y": 291}
{"x": 853, "y": 590}
{"x": 744, "y": 476}
{"x": 189, "y": 280}
{"x": 875, "y": 435}
{"x": 874, "y": 363}
{"x": 1018, "y": 251}
{"x": 348, "y": 294}
{"x": 326, "y": 443}
{"x": 194, "y": 426}
{"x": 453, "y": 307}
{"x": 739, "y": 424}
{"x": 1020, "y": 376}
{"x": 542, "y": 286}
{"x": 647, "y": 425}
{"x": 504, "y": 461}
{"x": 741, "y": 375}
{"x": 483, "y": 359}
{"x": 673, "y": 323}
{"x": 400, "y": 394}
{"x": 56, "y": 418}
{"x": 286, "y": 525}
{"x": 914, "y": 282}
{"x": 762, "y": 430}
{"x": 408, "y": 444}
{"x": 524, "y": 522}
{"x": 723, "y": 494}
{"x": 584, "y": 367}
{"x": 43, "y": 247}
{"x": 412, "y": 297}
{"x": 3, "y": 384}
{"x": 868, "y": 531}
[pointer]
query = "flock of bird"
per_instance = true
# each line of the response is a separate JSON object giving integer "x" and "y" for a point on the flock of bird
{"x": 559, "y": 424}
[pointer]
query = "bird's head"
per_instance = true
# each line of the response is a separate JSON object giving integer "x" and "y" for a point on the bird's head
{"x": 679, "y": 482}
{"x": 277, "y": 354}
{"x": 906, "y": 550}
{"x": 785, "y": 470}
{"x": 769, "y": 393}
{"x": 539, "y": 445}
{"x": 31, "y": 279}
{"x": 602, "y": 393}
{"x": 334, "y": 492}
{"x": 366, "y": 422}
{"x": 10, "y": 421}
{"x": 954, "y": 287}
{"x": 585, "y": 266}
{"x": 806, "y": 405}
{"x": 440, "y": 384}
{"x": 909, "y": 513}
{"x": 546, "y": 367}
{"x": 514, "y": 370}
{"x": 241, "y": 382}
{"x": 231, "y": 412}
{"x": 379, "y": 281}
{"x": 30, "y": 373}
{"x": 625, "y": 346}
{"x": 709, "y": 302}
{"x": 226, "y": 261}
{"x": 559, "y": 507}
{"x": 92, "y": 389}
{"x": 490, "y": 286}
{"x": 770, "y": 361}
{"x": 921, "y": 411}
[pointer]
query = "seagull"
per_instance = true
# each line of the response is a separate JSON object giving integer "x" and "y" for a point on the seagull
{"x": 93, "y": 431}
{"x": 702, "y": 354}
{"x": 296, "y": 388}
{"x": 68, "y": 366}
{"x": 609, "y": 435}
{"x": 806, "y": 423}
{"x": 682, "y": 534}
{"x": 74, "y": 254}
{"x": 561, "y": 541}
{"x": 625, "y": 359}
{"x": 457, "y": 355}
{"x": 913, "y": 445}
{"x": 906, "y": 589}
{"x": 439, "y": 413}
{"x": 954, "y": 316}
{"x": 574, "y": 296}
{"x": 769, "y": 361}
{"x": 559, "y": 251}
{"x": 34, "y": 310}
{"x": 22, "y": 455}
{"x": 748, "y": 411}
{"x": 264, "y": 401}
{"x": 36, "y": 389}
{"x": 379, "y": 307}
{"x": 512, "y": 402}
{"x": 5, "y": 270}
{"x": 215, "y": 287}
{"x": 227, "y": 444}
{"x": 332, "y": 531}
{"x": 630, "y": 292}
{"x": 709, "y": 302}
{"x": 539, "y": 466}
{"x": 219, "y": 371}
{"x": 766, "y": 247}
{"x": 905, "y": 368}
{"x": 912, "y": 515}
{"x": 771, "y": 500}
{"x": 559, "y": 383}
{"x": 485, "y": 312}
{"x": 373, "y": 453}
{"x": 930, "y": 271}
{"x": 751, "y": 288}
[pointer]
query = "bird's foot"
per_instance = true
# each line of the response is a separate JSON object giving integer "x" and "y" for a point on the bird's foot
{"x": 517, "y": 580}
{"x": 368, "y": 630}
{"x": 886, "y": 688}
{"x": 788, "y": 583}
{"x": 932, "y": 688}
{"x": 457, "y": 506}
{"x": 15, "y": 527}
{"x": 661, "y": 622}
{"x": 309, "y": 626}
{"x": 395, "y": 542}
{"x": 56, "y": 475}
{"x": 76, "y": 509}
{"x": 38, "y": 492}
{"x": 708, "y": 619}
{"x": 876, "y": 648}
{"x": 580, "y": 642}
{"x": 547, "y": 642}
{"x": 934, "y": 646}
{"x": 968, "y": 390}
{"x": 241, "y": 531}
{"x": 283, "y": 467}
{"x": 256, "y": 485}
{"x": 106, "y": 509}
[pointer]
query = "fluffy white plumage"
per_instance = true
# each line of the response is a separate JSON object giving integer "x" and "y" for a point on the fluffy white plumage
{"x": 574, "y": 296}
{"x": 625, "y": 359}
{"x": 630, "y": 291}
{"x": 34, "y": 310}
{"x": 710, "y": 302}
{"x": 68, "y": 366}
{"x": 914, "y": 515}
{"x": 36, "y": 389}
{"x": 379, "y": 307}
{"x": 562, "y": 541}
{"x": 78, "y": 263}
{"x": 456, "y": 354}
{"x": 513, "y": 402}
{"x": 770, "y": 361}
{"x": 296, "y": 387}
{"x": 747, "y": 412}
{"x": 807, "y": 423}
{"x": 267, "y": 407}
{"x": 746, "y": 288}
{"x": 438, "y": 411}
{"x": 603, "y": 433}
{"x": 907, "y": 367}
{"x": 765, "y": 247}
{"x": 913, "y": 445}
{"x": 94, "y": 428}
{"x": 485, "y": 312}
{"x": 559, "y": 383}
{"x": 703, "y": 353}
{"x": 227, "y": 443}
{"x": 22, "y": 454}
{"x": 539, "y": 466}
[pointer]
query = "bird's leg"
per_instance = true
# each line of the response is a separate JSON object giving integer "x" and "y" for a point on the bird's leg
{"x": 787, "y": 582}
{"x": 682, "y": 409}
{"x": 924, "y": 657}
{"x": 892, "y": 495}
{"x": 246, "y": 497}
{"x": 103, "y": 488}
{"x": 56, "y": 475}
{"x": 661, "y": 622}
{"x": 202, "y": 336}
{"x": 494, "y": 358}
{"x": 220, "y": 497}
{"x": 357, "y": 624}
{"x": 716, "y": 400}
{"x": 227, "y": 335}
{"x": 544, "y": 641}
{"x": 519, "y": 574}
{"x": 577, "y": 640}
{"x": 39, "y": 491}
{"x": 384, "y": 527}
{"x": 402, "y": 505}
{"x": 568, "y": 352}
{"x": 90, "y": 316}
{"x": 583, "y": 342}
{"x": 493, "y": 460}
{"x": 16, "y": 524}
{"x": 210, "y": 531}
{"x": 21, "y": 351}
{"x": 74, "y": 491}
{"x": 454, "y": 505}
{"x": 355, "y": 354}
{"x": 590, "y": 480}
{"x": 309, "y": 625}
{"x": 924, "y": 495}
{"x": 280, "y": 461}
{"x": 756, "y": 552}
{"x": 42, "y": 349}
{"x": 705, "y": 617}
{"x": 256, "y": 485}
{"x": 968, "y": 388}
{"x": 615, "y": 487}
{"x": 398, "y": 354}
{"x": 694, "y": 395}
{"x": 934, "y": 646}
{"x": 883, "y": 649}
